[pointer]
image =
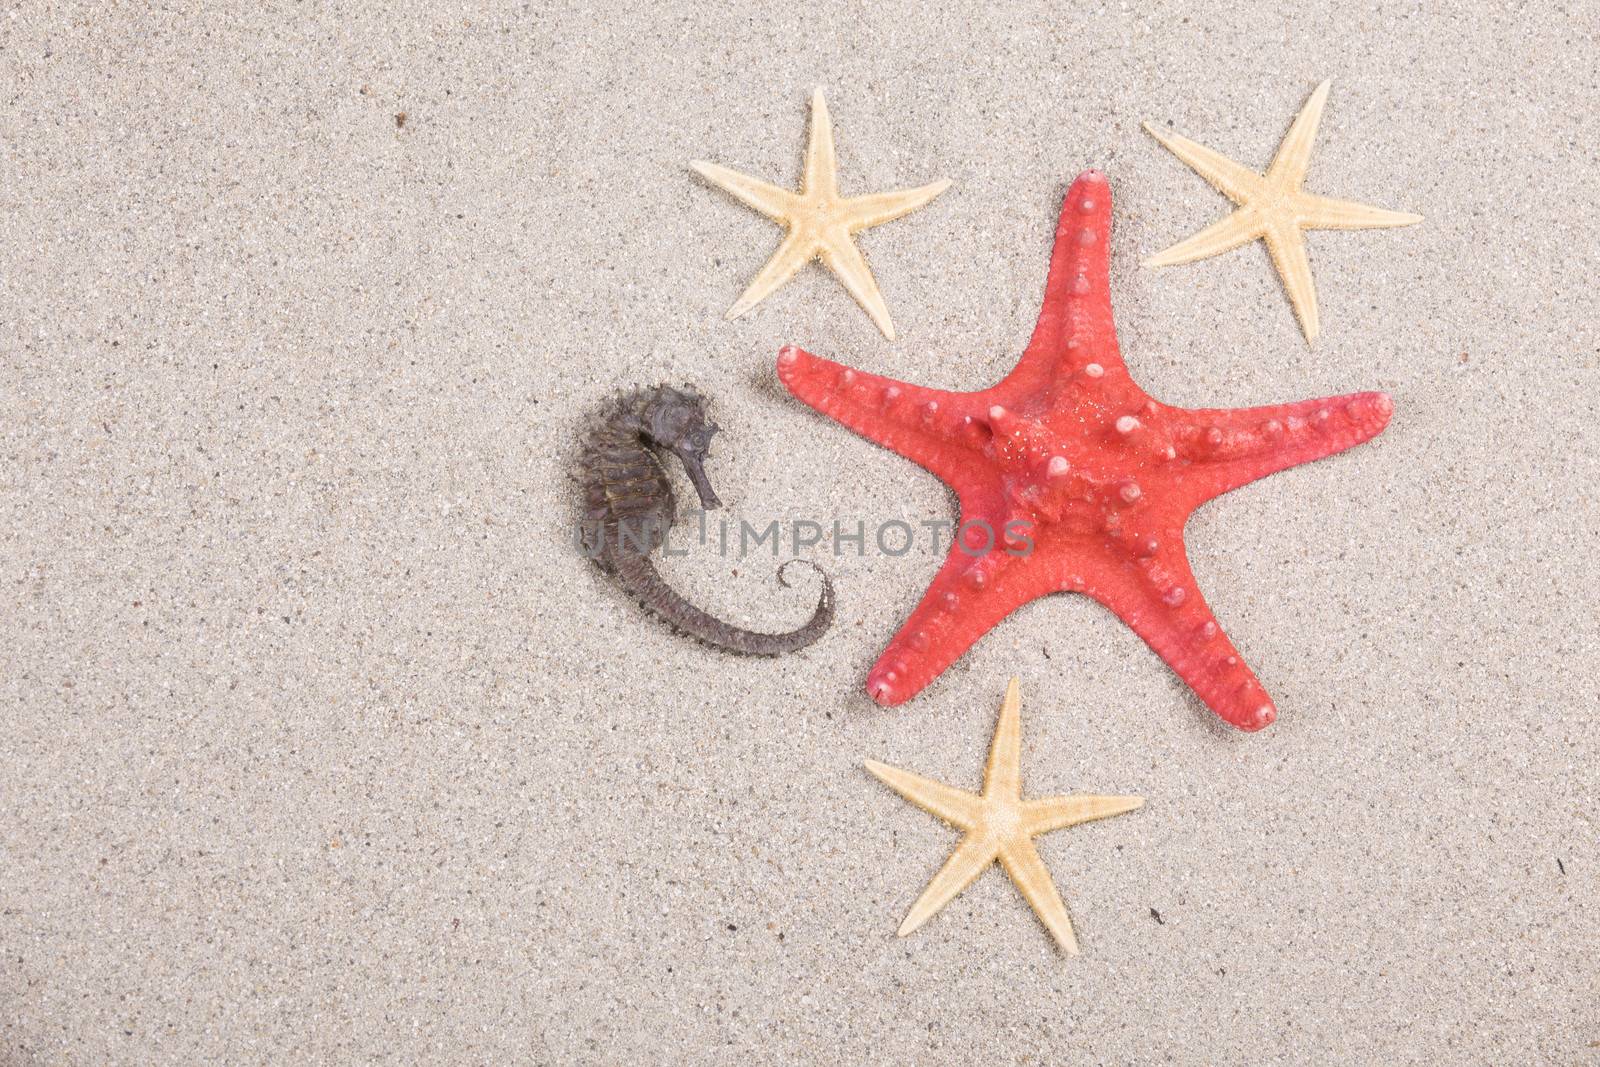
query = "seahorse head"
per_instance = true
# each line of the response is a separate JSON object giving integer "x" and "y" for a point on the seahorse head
{"x": 676, "y": 421}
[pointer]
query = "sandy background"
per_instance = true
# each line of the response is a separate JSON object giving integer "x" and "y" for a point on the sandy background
{"x": 319, "y": 743}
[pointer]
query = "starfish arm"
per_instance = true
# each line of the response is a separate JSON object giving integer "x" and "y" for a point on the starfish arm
{"x": 774, "y": 203}
{"x": 930, "y": 427}
{"x": 1157, "y": 596}
{"x": 1241, "y": 227}
{"x": 1075, "y": 329}
{"x": 972, "y": 855}
{"x": 1021, "y": 861}
{"x": 841, "y": 256}
{"x": 957, "y": 807}
{"x": 822, "y": 166}
{"x": 1288, "y": 249}
{"x": 1233, "y": 180}
{"x": 861, "y": 212}
{"x": 973, "y": 591}
{"x": 1003, "y": 776}
{"x": 794, "y": 253}
{"x": 1057, "y": 813}
{"x": 1224, "y": 449}
{"x": 1288, "y": 167}
{"x": 1325, "y": 213}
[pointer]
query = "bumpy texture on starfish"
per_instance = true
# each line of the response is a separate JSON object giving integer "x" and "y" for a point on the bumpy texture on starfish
{"x": 999, "y": 825}
{"x": 1274, "y": 208}
{"x": 819, "y": 220}
{"x": 1069, "y": 454}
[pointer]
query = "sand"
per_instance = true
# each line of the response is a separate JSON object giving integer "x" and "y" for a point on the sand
{"x": 320, "y": 743}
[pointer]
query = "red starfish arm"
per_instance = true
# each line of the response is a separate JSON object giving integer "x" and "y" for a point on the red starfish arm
{"x": 1075, "y": 328}
{"x": 1160, "y": 601}
{"x": 983, "y": 579}
{"x": 1230, "y": 448}
{"x": 931, "y": 427}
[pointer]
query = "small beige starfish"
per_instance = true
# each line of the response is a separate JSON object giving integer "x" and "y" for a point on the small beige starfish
{"x": 1273, "y": 207}
{"x": 819, "y": 220}
{"x": 999, "y": 825}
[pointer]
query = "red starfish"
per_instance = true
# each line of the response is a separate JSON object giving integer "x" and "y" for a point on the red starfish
{"x": 1069, "y": 454}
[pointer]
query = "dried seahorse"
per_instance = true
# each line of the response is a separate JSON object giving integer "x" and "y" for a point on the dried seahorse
{"x": 629, "y": 506}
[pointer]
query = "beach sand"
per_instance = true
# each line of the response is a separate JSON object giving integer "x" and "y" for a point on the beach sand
{"x": 320, "y": 742}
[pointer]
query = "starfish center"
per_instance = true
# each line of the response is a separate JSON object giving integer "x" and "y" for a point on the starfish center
{"x": 824, "y": 212}
{"x": 1002, "y": 820}
{"x": 1080, "y": 475}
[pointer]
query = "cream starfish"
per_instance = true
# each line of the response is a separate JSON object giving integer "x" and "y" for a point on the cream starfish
{"x": 1273, "y": 207}
{"x": 820, "y": 221}
{"x": 999, "y": 825}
